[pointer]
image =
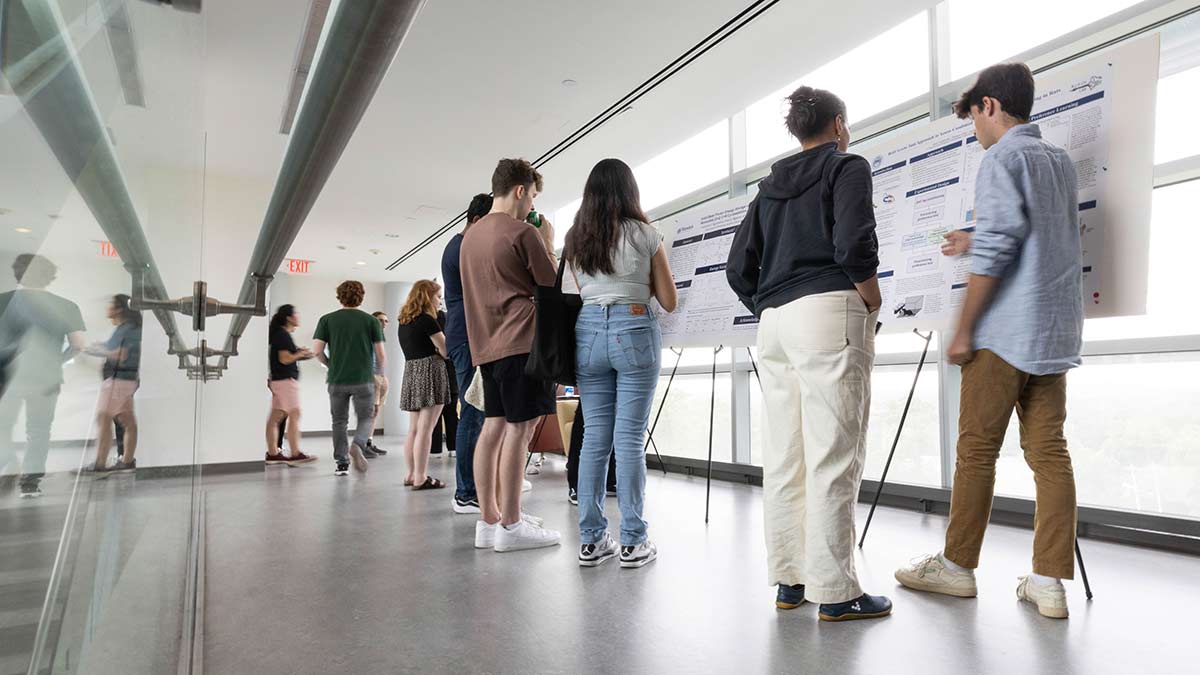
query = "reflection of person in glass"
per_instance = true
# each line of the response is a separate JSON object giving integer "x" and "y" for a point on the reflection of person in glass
{"x": 122, "y": 355}
{"x": 284, "y": 359}
{"x": 44, "y": 330}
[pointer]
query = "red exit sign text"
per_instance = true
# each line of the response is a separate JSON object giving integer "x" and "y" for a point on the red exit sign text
{"x": 296, "y": 266}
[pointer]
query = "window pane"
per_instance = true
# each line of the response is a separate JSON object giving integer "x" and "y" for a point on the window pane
{"x": 683, "y": 428}
{"x": 1175, "y": 134}
{"x": 917, "y": 459}
{"x": 563, "y": 219}
{"x": 897, "y": 61}
{"x": 1138, "y": 453}
{"x": 694, "y": 163}
{"x": 983, "y": 33}
{"x": 1172, "y": 229}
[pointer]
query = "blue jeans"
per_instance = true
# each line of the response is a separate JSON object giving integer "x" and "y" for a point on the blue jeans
{"x": 340, "y": 397}
{"x": 618, "y": 355}
{"x": 470, "y": 421}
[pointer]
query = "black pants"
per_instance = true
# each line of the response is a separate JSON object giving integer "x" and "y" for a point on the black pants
{"x": 449, "y": 420}
{"x": 573, "y": 456}
{"x": 282, "y": 432}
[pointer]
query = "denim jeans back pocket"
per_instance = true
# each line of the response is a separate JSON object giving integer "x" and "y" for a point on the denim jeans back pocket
{"x": 639, "y": 346}
{"x": 585, "y": 341}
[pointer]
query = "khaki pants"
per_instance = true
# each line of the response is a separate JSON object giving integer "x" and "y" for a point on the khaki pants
{"x": 991, "y": 388}
{"x": 816, "y": 355}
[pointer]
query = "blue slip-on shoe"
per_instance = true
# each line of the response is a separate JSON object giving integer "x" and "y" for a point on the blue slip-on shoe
{"x": 789, "y": 597}
{"x": 864, "y": 607}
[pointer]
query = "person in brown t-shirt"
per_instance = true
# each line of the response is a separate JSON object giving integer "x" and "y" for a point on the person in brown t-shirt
{"x": 502, "y": 260}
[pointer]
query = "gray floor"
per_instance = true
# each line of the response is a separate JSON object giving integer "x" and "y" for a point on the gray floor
{"x": 312, "y": 574}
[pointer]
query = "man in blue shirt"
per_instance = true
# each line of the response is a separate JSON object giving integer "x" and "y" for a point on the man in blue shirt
{"x": 1020, "y": 330}
{"x": 471, "y": 419}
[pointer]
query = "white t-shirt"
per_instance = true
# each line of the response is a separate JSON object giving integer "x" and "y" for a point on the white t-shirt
{"x": 629, "y": 282}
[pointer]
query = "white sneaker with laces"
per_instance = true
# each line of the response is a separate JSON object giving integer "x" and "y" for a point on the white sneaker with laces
{"x": 524, "y": 535}
{"x": 930, "y": 574}
{"x": 639, "y": 556}
{"x": 1051, "y": 599}
{"x": 485, "y": 534}
{"x": 594, "y": 555}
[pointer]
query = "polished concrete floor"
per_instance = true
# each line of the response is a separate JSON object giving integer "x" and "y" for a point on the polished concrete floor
{"x": 312, "y": 574}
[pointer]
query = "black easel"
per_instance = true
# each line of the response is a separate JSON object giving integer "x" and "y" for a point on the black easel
{"x": 661, "y": 404}
{"x": 1087, "y": 587}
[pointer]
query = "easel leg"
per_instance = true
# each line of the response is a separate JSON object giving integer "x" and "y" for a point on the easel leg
{"x": 661, "y": 405}
{"x": 1087, "y": 587}
{"x": 712, "y": 409}
{"x": 896, "y": 440}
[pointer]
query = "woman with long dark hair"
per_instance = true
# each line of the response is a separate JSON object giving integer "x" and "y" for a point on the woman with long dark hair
{"x": 804, "y": 260}
{"x": 284, "y": 358}
{"x": 122, "y": 354}
{"x": 426, "y": 385}
{"x": 618, "y": 260}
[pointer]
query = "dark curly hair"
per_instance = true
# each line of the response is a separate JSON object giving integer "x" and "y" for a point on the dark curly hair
{"x": 811, "y": 111}
{"x": 350, "y": 293}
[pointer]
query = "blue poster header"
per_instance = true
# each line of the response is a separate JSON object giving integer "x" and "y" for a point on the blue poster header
{"x": 931, "y": 188}
{"x": 935, "y": 152}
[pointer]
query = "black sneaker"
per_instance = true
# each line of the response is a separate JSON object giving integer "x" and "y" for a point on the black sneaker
{"x": 864, "y": 607}
{"x": 573, "y": 496}
{"x": 466, "y": 505}
{"x": 122, "y": 467}
{"x": 789, "y": 597}
{"x": 375, "y": 448}
{"x": 611, "y": 491}
{"x": 343, "y": 469}
{"x": 369, "y": 452}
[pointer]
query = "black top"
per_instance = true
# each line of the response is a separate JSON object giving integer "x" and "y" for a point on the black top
{"x": 281, "y": 341}
{"x": 810, "y": 229}
{"x": 414, "y": 337}
{"x": 126, "y": 337}
{"x": 456, "y": 320}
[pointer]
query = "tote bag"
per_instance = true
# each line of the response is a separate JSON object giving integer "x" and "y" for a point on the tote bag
{"x": 553, "y": 355}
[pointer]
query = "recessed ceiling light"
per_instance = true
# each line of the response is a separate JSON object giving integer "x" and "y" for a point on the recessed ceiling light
{"x": 24, "y": 230}
{"x": 376, "y": 251}
{"x": 392, "y": 235}
{"x": 361, "y": 263}
{"x": 341, "y": 248}
{"x": 569, "y": 83}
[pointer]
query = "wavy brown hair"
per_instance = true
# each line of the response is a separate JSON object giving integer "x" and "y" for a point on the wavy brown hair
{"x": 350, "y": 293}
{"x": 422, "y": 299}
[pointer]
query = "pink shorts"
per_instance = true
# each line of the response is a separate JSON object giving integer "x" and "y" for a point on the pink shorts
{"x": 116, "y": 396}
{"x": 285, "y": 394}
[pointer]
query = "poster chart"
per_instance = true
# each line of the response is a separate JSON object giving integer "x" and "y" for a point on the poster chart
{"x": 709, "y": 313}
{"x": 924, "y": 187}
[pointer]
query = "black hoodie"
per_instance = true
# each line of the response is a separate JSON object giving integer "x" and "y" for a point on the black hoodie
{"x": 810, "y": 229}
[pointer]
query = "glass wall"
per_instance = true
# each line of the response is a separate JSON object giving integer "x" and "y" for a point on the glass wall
{"x": 1134, "y": 453}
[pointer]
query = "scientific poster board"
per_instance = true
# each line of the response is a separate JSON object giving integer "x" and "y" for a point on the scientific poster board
{"x": 1100, "y": 110}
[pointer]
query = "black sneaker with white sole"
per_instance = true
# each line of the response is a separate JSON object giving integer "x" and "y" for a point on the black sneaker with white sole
{"x": 639, "y": 556}
{"x": 466, "y": 505}
{"x": 593, "y": 555}
{"x": 573, "y": 496}
{"x": 343, "y": 469}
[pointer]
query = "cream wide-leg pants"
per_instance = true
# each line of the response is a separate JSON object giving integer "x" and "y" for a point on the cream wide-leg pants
{"x": 816, "y": 355}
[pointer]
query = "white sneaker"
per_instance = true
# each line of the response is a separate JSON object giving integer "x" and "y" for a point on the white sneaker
{"x": 468, "y": 506}
{"x": 639, "y": 556}
{"x": 526, "y": 486}
{"x": 931, "y": 574}
{"x": 524, "y": 536}
{"x": 1051, "y": 599}
{"x": 485, "y": 534}
{"x": 594, "y": 555}
{"x": 358, "y": 458}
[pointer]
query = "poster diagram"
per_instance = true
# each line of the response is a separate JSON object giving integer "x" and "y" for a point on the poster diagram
{"x": 709, "y": 312}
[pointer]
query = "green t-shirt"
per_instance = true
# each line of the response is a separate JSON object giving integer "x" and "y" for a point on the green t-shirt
{"x": 351, "y": 335}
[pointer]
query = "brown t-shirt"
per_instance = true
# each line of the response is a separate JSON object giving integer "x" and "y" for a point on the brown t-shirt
{"x": 502, "y": 260}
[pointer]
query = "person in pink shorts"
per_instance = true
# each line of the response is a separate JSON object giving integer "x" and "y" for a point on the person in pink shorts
{"x": 284, "y": 383}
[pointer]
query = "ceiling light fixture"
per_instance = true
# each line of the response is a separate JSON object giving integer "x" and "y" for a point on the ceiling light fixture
{"x": 341, "y": 247}
{"x": 392, "y": 235}
{"x": 569, "y": 82}
{"x": 24, "y": 230}
{"x": 361, "y": 263}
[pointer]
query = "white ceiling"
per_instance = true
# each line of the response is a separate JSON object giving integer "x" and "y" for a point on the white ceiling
{"x": 472, "y": 83}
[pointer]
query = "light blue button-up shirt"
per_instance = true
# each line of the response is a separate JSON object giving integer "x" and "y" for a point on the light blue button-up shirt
{"x": 1027, "y": 235}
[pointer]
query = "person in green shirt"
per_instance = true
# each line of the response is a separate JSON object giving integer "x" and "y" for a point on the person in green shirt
{"x": 345, "y": 342}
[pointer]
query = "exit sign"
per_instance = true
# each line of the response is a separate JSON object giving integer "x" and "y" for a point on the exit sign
{"x": 297, "y": 266}
{"x": 107, "y": 250}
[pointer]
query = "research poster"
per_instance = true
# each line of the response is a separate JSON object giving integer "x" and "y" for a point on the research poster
{"x": 924, "y": 187}
{"x": 709, "y": 312}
